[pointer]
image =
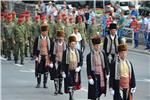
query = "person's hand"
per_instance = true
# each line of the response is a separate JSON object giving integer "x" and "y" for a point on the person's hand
{"x": 111, "y": 91}
{"x": 51, "y": 65}
{"x": 63, "y": 75}
{"x": 36, "y": 58}
{"x": 91, "y": 81}
{"x": 78, "y": 69}
{"x": 133, "y": 90}
{"x": 107, "y": 77}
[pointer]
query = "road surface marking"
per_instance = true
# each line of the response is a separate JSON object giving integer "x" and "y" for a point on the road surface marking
{"x": 2, "y": 58}
{"x": 27, "y": 71}
{"x": 144, "y": 80}
{"x": 19, "y": 65}
{"x": 83, "y": 89}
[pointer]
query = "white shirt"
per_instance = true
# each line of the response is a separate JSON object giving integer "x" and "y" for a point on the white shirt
{"x": 79, "y": 38}
{"x": 43, "y": 37}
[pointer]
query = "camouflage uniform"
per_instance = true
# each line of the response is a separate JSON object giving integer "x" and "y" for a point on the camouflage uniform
{"x": 36, "y": 29}
{"x": 20, "y": 42}
{"x": 68, "y": 30}
{"x": 29, "y": 37}
{"x": 92, "y": 30}
{"x": 51, "y": 29}
{"x": 9, "y": 34}
{"x": 3, "y": 40}
{"x": 58, "y": 26}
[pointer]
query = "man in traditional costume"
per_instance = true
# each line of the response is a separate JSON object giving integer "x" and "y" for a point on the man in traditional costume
{"x": 56, "y": 71}
{"x": 122, "y": 82}
{"x": 71, "y": 62}
{"x": 111, "y": 42}
{"x": 97, "y": 70}
{"x": 42, "y": 51}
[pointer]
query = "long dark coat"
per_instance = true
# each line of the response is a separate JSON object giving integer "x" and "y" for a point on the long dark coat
{"x": 40, "y": 67}
{"x": 65, "y": 67}
{"x": 114, "y": 84}
{"x": 92, "y": 88}
{"x": 56, "y": 73}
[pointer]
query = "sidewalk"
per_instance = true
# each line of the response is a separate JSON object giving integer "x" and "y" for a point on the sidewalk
{"x": 140, "y": 49}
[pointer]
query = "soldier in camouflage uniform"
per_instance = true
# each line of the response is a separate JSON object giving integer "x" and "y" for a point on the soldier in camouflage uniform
{"x": 15, "y": 23}
{"x": 92, "y": 31}
{"x": 82, "y": 31}
{"x": 20, "y": 40}
{"x": 29, "y": 34}
{"x": 58, "y": 25}
{"x": 25, "y": 15}
{"x": 3, "y": 40}
{"x": 68, "y": 28}
{"x": 43, "y": 20}
{"x": 36, "y": 26}
{"x": 8, "y": 34}
{"x": 51, "y": 27}
{"x": 14, "y": 17}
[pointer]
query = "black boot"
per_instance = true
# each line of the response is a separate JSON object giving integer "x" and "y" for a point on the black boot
{"x": 60, "y": 86}
{"x": 16, "y": 61}
{"x": 56, "y": 86}
{"x": 71, "y": 92}
{"x": 45, "y": 81}
{"x": 38, "y": 81}
{"x": 22, "y": 62}
{"x": 38, "y": 86}
{"x": 9, "y": 58}
{"x": 45, "y": 86}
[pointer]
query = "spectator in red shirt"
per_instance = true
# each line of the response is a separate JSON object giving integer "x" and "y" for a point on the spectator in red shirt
{"x": 135, "y": 26}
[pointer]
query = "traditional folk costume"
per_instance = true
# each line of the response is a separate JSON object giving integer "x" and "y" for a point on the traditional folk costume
{"x": 111, "y": 44}
{"x": 56, "y": 71}
{"x": 122, "y": 82}
{"x": 97, "y": 70}
{"x": 71, "y": 62}
{"x": 42, "y": 51}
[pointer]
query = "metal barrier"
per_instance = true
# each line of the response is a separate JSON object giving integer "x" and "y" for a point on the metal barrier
{"x": 129, "y": 34}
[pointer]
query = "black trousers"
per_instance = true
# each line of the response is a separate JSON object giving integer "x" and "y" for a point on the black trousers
{"x": 45, "y": 76}
{"x": 124, "y": 95}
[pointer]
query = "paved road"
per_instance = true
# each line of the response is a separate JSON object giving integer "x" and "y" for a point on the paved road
{"x": 18, "y": 82}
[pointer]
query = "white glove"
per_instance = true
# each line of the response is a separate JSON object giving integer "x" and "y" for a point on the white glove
{"x": 78, "y": 69}
{"x": 51, "y": 65}
{"x": 36, "y": 59}
{"x": 91, "y": 81}
{"x": 63, "y": 75}
{"x": 56, "y": 65}
{"x": 111, "y": 91}
{"x": 133, "y": 90}
{"x": 110, "y": 58}
{"x": 107, "y": 77}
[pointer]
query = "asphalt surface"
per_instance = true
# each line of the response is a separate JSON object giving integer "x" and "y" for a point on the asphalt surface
{"x": 18, "y": 82}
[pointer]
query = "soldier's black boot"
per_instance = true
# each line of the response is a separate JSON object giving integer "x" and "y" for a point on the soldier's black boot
{"x": 56, "y": 86}
{"x": 16, "y": 61}
{"x": 45, "y": 86}
{"x": 22, "y": 61}
{"x": 38, "y": 81}
{"x": 45, "y": 81}
{"x": 60, "y": 86}
{"x": 9, "y": 58}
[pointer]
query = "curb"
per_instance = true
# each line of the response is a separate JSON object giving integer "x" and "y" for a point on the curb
{"x": 139, "y": 51}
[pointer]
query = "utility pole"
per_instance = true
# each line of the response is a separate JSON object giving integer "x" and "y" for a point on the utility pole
{"x": 94, "y": 5}
{"x": 104, "y": 4}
